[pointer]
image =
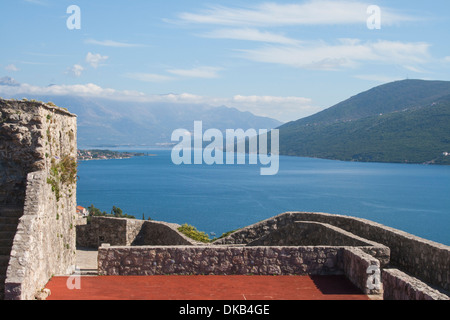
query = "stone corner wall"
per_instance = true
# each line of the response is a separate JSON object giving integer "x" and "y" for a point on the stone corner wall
{"x": 38, "y": 151}
{"x": 240, "y": 260}
{"x": 362, "y": 270}
{"x": 129, "y": 232}
{"x": 400, "y": 286}
{"x": 218, "y": 260}
{"x": 427, "y": 260}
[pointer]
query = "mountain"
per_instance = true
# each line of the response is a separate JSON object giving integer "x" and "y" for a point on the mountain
{"x": 8, "y": 81}
{"x": 405, "y": 121}
{"x": 106, "y": 123}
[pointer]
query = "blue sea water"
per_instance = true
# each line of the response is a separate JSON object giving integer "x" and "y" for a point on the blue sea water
{"x": 219, "y": 198}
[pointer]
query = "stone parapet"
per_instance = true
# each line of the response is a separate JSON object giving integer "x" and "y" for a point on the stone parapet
{"x": 218, "y": 260}
{"x": 38, "y": 151}
{"x": 127, "y": 232}
{"x": 400, "y": 286}
{"x": 427, "y": 260}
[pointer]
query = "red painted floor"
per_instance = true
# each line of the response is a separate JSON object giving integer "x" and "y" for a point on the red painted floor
{"x": 206, "y": 288}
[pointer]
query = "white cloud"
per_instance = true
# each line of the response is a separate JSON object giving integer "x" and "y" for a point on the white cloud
{"x": 41, "y": 3}
{"x": 176, "y": 74}
{"x": 281, "y": 108}
{"x": 85, "y": 90}
{"x": 377, "y": 78}
{"x": 414, "y": 69}
{"x": 149, "y": 77}
{"x": 200, "y": 72}
{"x": 95, "y": 59}
{"x": 347, "y": 53}
{"x": 315, "y": 12}
{"x": 447, "y": 59}
{"x": 11, "y": 68}
{"x": 250, "y": 34}
{"x": 76, "y": 70}
{"x": 111, "y": 43}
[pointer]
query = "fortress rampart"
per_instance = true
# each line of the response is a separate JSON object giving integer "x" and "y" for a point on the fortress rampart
{"x": 421, "y": 258}
{"x": 39, "y": 236}
{"x": 37, "y": 195}
{"x": 283, "y": 245}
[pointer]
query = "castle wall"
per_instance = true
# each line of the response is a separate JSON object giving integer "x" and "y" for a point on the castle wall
{"x": 421, "y": 258}
{"x": 38, "y": 171}
{"x": 400, "y": 286}
{"x": 238, "y": 260}
{"x": 127, "y": 232}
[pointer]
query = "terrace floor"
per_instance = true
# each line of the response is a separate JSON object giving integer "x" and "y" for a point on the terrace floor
{"x": 199, "y": 287}
{"x": 206, "y": 288}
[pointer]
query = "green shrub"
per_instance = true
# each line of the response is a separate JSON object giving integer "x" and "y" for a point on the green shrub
{"x": 194, "y": 234}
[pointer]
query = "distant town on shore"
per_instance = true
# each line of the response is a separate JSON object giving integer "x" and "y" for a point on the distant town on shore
{"x": 85, "y": 155}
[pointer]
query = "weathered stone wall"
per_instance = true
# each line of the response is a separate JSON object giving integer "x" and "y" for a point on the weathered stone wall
{"x": 239, "y": 260}
{"x": 218, "y": 260}
{"x": 154, "y": 233}
{"x": 306, "y": 233}
{"x": 127, "y": 232}
{"x": 424, "y": 259}
{"x": 302, "y": 233}
{"x": 362, "y": 270}
{"x": 399, "y": 286}
{"x": 38, "y": 154}
{"x": 102, "y": 230}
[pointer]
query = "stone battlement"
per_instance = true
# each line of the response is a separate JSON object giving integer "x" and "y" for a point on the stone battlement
{"x": 39, "y": 235}
{"x": 282, "y": 246}
{"x": 37, "y": 195}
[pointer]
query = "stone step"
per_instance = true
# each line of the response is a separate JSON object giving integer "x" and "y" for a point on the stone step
{"x": 2, "y": 286}
{"x": 88, "y": 272}
{"x": 5, "y": 251}
{"x": 8, "y": 227}
{"x": 7, "y": 235}
{"x": 3, "y": 270}
{"x": 6, "y": 243}
{"x": 4, "y": 260}
{"x": 9, "y": 220}
{"x": 16, "y": 212}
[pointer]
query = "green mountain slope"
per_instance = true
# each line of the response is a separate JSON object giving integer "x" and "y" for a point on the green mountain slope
{"x": 406, "y": 121}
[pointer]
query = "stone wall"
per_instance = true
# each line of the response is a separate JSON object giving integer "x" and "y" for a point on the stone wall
{"x": 127, "y": 232}
{"x": 218, "y": 260}
{"x": 400, "y": 286}
{"x": 238, "y": 260}
{"x": 424, "y": 259}
{"x": 362, "y": 270}
{"x": 306, "y": 233}
{"x": 38, "y": 154}
{"x": 302, "y": 233}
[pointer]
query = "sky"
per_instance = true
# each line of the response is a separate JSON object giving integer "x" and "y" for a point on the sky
{"x": 280, "y": 59}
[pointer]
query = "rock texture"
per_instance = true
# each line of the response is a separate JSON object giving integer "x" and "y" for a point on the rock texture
{"x": 400, "y": 286}
{"x": 218, "y": 260}
{"x": 127, "y": 232}
{"x": 37, "y": 195}
{"x": 427, "y": 260}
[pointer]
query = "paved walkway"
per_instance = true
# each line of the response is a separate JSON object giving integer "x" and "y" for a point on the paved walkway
{"x": 87, "y": 258}
{"x": 206, "y": 288}
{"x": 197, "y": 287}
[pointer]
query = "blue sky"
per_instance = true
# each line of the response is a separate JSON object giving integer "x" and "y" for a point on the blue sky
{"x": 282, "y": 59}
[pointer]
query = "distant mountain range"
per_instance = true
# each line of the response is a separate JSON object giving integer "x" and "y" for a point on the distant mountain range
{"x": 109, "y": 123}
{"x": 405, "y": 121}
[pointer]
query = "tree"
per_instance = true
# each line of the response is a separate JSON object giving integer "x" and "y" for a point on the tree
{"x": 116, "y": 212}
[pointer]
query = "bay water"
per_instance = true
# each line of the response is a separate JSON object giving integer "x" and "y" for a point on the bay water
{"x": 220, "y": 198}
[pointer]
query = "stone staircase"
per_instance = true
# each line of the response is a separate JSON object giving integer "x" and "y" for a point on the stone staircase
{"x": 9, "y": 220}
